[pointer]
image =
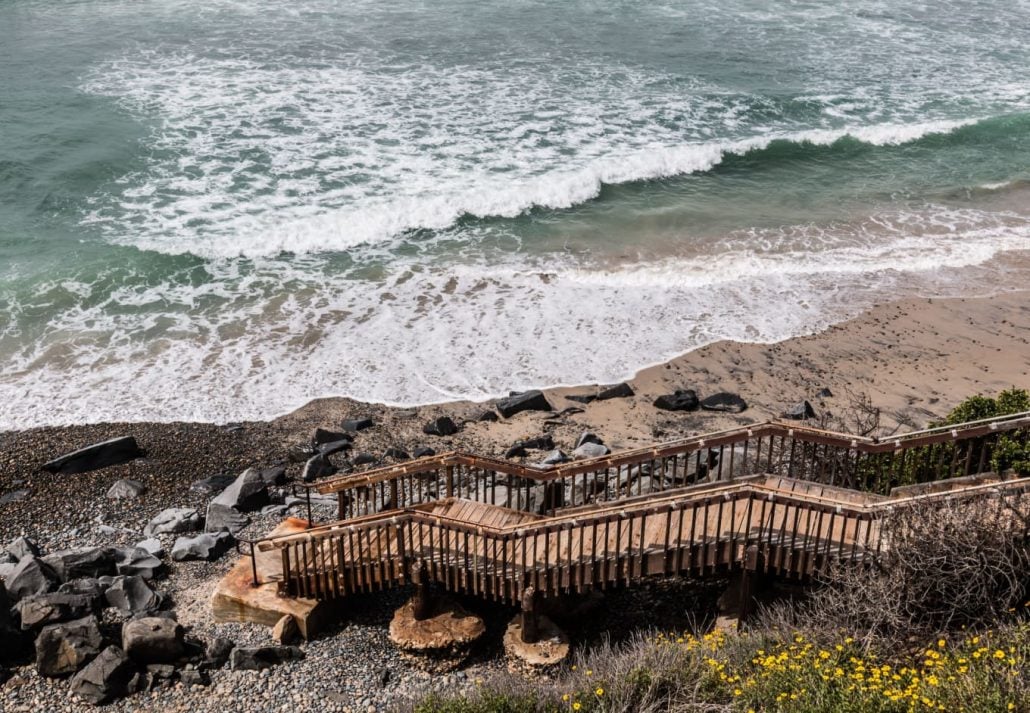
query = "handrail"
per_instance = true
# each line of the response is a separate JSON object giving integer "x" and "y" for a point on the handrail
{"x": 645, "y": 505}
{"x": 861, "y": 444}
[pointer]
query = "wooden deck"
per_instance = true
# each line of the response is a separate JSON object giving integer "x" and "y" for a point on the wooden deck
{"x": 492, "y": 529}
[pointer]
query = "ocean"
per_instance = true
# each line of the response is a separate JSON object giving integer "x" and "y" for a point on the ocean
{"x": 221, "y": 210}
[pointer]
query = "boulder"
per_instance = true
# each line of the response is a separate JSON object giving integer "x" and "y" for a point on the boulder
{"x": 36, "y": 612}
{"x": 138, "y": 561}
{"x": 679, "y": 400}
{"x": 23, "y": 547}
{"x": 160, "y": 675}
{"x": 247, "y": 493}
{"x": 328, "y": 449}
{"x": 396, "y": 453}
{"x": 582, "y": 398}
{"x": 152, "y": 545}
{"x": 132, "y": 595}
{"x": 540, "y": 443}
{"x": 87, "y": 586}
{"x": 220, "y": 519}
{"x": 516, "y": 451}
{"x": 588, "y": 437}
{"x": 300, "y": 452}
{"x": 98, "y": 455}
{"x": 286, "y": 631}
{"x": 14, "y": 496}
{"x": 424, "y": 452}
{"x": 799, "y": 411}
{"x": 317, "y": 467}
{"x": 357, "y": 424}
{"x": 173, "y": 521}
{"x": 7, "y": 569}
{"x": 153, "y": 640}
{"x": 554, "y": 458}
{"x": 104, "y": 678}
{"x": 321, "y": 436}
{"x": 525, "y": 401}
{"x": 619, "y": 391}
{"x": 258, "y": 657}
{"x": 212, "y": 484}
{"x": 443, "y": 426}
{"x": 273, "y": 475}
{"x": 363, "y": 459}
{"x": 490, "y": 415}
{"x": 208, "y": 546}
{"x": 590, "y": 450}
{"x": 83, "y": 562}
{"x": 218, "y": 651}
{"x": 31, "y": 577}
{"x": 825, "y": 393}
{"x": 724, "y": 402}
{"x": 63, "y": 649}
{"x": 126, "y": 488}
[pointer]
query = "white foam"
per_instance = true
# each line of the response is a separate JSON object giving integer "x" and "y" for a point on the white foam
{"x": 255, "y": 342}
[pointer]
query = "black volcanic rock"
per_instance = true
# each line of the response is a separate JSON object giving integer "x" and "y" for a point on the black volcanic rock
{"x": 95, "y": 456}
{"x": 680, "y": 400}
{"x": 724, "y": 402}
{"x": 525, "y": 401}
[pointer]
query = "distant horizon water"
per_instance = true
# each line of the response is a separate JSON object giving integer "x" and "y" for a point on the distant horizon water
{"x": 221, "y": 210}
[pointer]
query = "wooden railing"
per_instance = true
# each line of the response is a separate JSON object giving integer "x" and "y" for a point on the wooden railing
{"x": 790, "y": 450}
{"x": 758, "y": 523}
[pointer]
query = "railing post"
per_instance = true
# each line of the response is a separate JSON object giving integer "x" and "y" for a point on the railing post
{"x": 450, "y": 481}
{"x": 308, "y": 491}
{"x": 253, "y": 566}
{"x": 423, "y": 607}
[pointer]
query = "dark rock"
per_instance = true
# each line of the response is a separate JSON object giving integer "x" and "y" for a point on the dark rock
{"x": 554, "y": 458}
{"x": 160, "y": 676}
{"x": 21, "y": 547}
{"x": 133, "y": 595}
{"x": 396, "y": 454}
{"x": 540, "y": 443}
{"x": 825, "y": 393}
{"x": 173, "y": 521}
{"x": 138, "y": 561}
{"x": 384, "y": 677}
{"x": 619, "y": 391}
{"x": 516, "y": 451}
{"x": 259, "y": 657}
{"x": 98, "y": 455}
{"x": 273, "y": 510}
{"x": 321, "y": 436}
{"x": 218, "y": 651}
{"x": 212, "y": 484}
{"x": 83, "y": 562}
{"x": 443, "y": 426}
{"x": 36, "y": 612}
{"x": 588, "y": 437}
{"x": 327, "y": 449}
{"x": 526, "y": 401}
{"x": 274, "y": 475}
{"x": 31, "y": 577}
{"x": 363, "y": 459}
{"x": 357, "y": 424}
{"x": 62, "y": 649}
{"x": 151, "y": 545}
{"x": 679, "y": 400}
{"x": 582, "y": 398}
{"x": 725, "y": 402}
{"x": 126, "y": 488}
{"x": 799, "y": 411}
{"x": 193, "y": 677}
{"x": 247, "y": 493}
{"x": 590, "y": 449}
{"x": 301, "y": 452}
{"x": 104, "y": 679}
{"x": 153, "y": 640}
{"x": 86, "y": 586}
{"x": 424, "y": 452}
{"x": 317, "y": 467}
{"x": 14, "y": 496}
{"x": 488, "y": 416}
{"x": 209, "y": 546}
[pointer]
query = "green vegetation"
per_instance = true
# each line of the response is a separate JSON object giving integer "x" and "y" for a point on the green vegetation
{"x": 1009, "y": 452}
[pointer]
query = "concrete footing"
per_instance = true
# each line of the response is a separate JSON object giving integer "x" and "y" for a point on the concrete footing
{"x": 550, "y": 648}
{"x": 442, "y": 640}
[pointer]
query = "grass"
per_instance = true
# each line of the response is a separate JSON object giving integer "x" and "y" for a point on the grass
{"x": 985, "y": 672}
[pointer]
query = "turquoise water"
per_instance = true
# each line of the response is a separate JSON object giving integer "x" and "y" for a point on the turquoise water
{"x": 219, "y": 210}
